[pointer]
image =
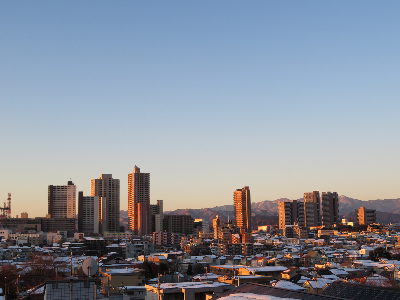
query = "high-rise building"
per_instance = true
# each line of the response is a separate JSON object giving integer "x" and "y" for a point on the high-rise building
{"x": 366, "y": 216}
{"x": 242, "y": 209}
{"x": 88, "y": 213}
{"x": 330, "y": 209}
{"x": 156, "y": 214}
{"x": 288, "y": 213}
{"x": 139, "y": 202}
{"x": 108, "y": 191}
{"x": 217, "y": 227}
{"x": 62, "y": 200}
{"x": 312, "y": 206}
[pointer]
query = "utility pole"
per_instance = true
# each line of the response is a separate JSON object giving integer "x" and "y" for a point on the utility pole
{"x": 158, "y": 287}
{"x": 18, "y": 286}
{"x": 71, "y": 264}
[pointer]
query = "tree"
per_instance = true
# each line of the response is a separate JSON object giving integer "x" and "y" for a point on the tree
{"x": 9, "y": 280}
{"x": 379, "y": 252}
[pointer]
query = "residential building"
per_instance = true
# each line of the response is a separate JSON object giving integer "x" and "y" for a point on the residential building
{"x": 70, "y": 289}
{"x": 365, "y": 216}
{"x": 288, "y": 213}
{"x": 139, "y": 202}
{"x": 217, "y": 227}
{"x": 167, "y": 239}
{"x": 108, "y": 191}
{"x": 61, "y": 200}
{"x": 186, "y": 290}
{"x": 178, "y": 224}
{"x": 330, "y": 209}
{"x": 242, "y": 208}
{"x": 312, "y": 209}
{"x": 112, "y": 278}
{"x": 88, "y": 213}
{"x": 156, "y": 214}
{"x": 295, "y": 231}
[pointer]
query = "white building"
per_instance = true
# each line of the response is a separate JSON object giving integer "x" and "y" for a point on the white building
{"x": 62, "y": 200}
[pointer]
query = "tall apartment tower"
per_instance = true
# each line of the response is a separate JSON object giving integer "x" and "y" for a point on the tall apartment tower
{"x": 288, "y": 213}
{"x": 365, "y": 216}
{"x": 139, "y": 202}
{"x": 108, "y": 191}
{"x": 88, "y": 213}
{"x": 217, "y": 227}
{"x": 62, "y": 200}
{"x": 156, "y": 214}
{"x": 312, "y": 209}
{"x": 330, "y": 209}
{"x": 242, "y": 209}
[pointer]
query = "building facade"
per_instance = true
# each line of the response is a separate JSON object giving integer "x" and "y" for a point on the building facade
{"x": 62, "y": 200}
{"x": 288, "y": 213}
{"x": 156, "y": 215}
{"x": 312, "y": 209}
{"x": 107, "y": 189}
{"x": 88, "y": 213}
{"x": 139, "y": 202}
{"x": 330, "y": 209}
{"x": 183, "y": 224}
{"x": 366, "y": 216}
{"x": 242, "y": 209}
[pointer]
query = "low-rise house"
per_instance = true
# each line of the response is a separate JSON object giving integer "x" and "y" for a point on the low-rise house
{"x": 185, "y": 290}
{"x": 316, "y": 286}
{"x": 111, "y": 279}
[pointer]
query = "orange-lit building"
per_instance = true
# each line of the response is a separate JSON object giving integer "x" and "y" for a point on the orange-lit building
{"x": 139, "y": 202}
{"x": 242, "y": 209}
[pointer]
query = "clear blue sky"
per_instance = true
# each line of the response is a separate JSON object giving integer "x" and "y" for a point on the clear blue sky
{"x": 208, "y": 96}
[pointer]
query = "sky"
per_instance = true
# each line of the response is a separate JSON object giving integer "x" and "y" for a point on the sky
{"x": 285, "y": 97}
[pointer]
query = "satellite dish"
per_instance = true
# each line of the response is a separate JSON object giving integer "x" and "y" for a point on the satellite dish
{"x": 89, "y": 266}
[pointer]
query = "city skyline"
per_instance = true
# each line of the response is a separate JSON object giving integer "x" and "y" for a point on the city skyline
{"x": 309, "y": 88}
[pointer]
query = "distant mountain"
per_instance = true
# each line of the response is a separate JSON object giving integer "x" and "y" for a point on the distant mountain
{"x": 266, "y": 212}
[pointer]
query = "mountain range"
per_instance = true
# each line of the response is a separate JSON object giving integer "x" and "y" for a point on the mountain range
{"x": 266, "y": 212}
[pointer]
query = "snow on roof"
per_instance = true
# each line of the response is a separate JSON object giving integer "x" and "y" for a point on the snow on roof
{"x": 320, "y": 283}
{"x": 205, "y": 277}
{"x": 190, "y": 285}
{"x": 266, "y": 269}
{"x": 121, "y": 271}
{"x": 248, "y": 296}
{"x": 287, "y": 285}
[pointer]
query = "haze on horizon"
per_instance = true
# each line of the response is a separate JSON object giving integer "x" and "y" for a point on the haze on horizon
{"x": 285, "y": 97}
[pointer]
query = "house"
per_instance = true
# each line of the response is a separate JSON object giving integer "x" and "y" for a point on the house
{"x": 316, "y": 286}
{"x": 185, "y": 290}
{"x": 290, "y": 273}
{"x": 312, "y": 258}
{"x": 111, "y": 279}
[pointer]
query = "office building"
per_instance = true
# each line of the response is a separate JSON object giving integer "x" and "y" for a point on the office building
{"x": 242, "y": 209}
{"x": 156, "y": 215}
{"x": 330, "y": 209}
{"x": 62, "y": 201}
{"x": 183, "y": 224}
{"x": 312, "y": 209}
{"x": 139, "y": 202}
{"x": 108, "y": 190}
{"x": 365, "y": 216}
{"x": 88, "y": 213}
